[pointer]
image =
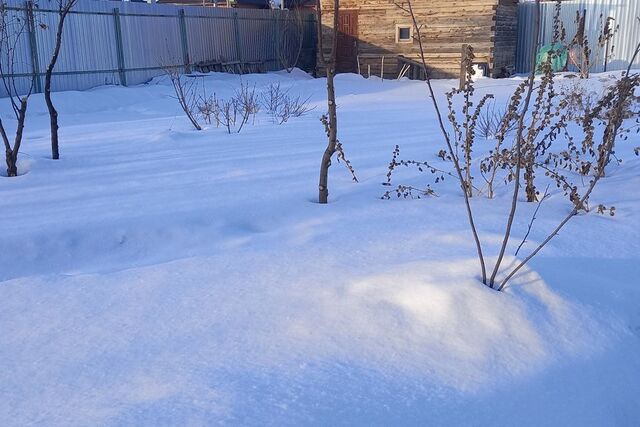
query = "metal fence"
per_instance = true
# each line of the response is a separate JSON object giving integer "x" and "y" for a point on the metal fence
{"x": 125, "y": 43}
{"x": 625, "y": 13}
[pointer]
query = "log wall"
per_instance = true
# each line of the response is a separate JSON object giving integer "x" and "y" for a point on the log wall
{"x": 488, "y": 25}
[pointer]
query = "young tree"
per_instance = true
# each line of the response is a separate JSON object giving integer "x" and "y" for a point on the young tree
{"x": 12, "y": 28}
{"x": 330, "y": 120}
{"x": 64, "y": 7}
{"x": 332, "y": 117}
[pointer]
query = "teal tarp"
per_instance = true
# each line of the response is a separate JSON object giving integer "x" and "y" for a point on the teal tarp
{"x": 556, "y": 52}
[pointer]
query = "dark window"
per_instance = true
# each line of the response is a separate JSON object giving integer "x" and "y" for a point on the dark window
{"x": 404, "y": 34}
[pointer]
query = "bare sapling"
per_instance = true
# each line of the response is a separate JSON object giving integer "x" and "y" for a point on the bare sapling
{"x": 63, "y": 9}
{"x": 187, "y": 94}
{"x": 12, "y": 28}
{"x": 330, "y": 120}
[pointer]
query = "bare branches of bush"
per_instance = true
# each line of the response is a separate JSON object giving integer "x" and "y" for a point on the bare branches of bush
{"x": 590, "y": 157}
{"x": 226, "y": 113}
{"x": 464, "y": 135}
{"x": 409, "y": 191}
{"x": 613, "y": 102}
{"x": 578, "y": 99}
{"x": 491, "y": 120}
{"x": 245, "y": 101}
{"x": 238, "y": 110}
{"x": 541, "y": 117}
{"x": 280, "y": 105}
{"x": 232, "y": 113}
{"x": 187, "y": 94}
{"x": 533, "y": 219}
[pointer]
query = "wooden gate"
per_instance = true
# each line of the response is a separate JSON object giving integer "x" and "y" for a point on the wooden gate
{"x": 347, "y": 53}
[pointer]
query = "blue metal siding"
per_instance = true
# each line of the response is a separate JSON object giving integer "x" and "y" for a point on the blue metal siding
{"x": 150, "y": 36}
{"x": 624, "y": 42}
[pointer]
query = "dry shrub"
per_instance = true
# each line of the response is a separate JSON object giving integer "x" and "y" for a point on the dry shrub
{"x": 187, "y": 94}
{"x": 280, "y": 105}
{"x": 232, "y": 113}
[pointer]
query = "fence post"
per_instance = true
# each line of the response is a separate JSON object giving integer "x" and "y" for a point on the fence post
{"x": 119, "y": 48}
{"x": 183, "y": 37}
{"x": 278, "y": 37}
{"x": 238, "y": 42}
{"x": 35, "y": 62}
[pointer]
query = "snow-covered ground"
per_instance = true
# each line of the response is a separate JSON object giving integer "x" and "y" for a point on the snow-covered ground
{"x": 157, "y": 275}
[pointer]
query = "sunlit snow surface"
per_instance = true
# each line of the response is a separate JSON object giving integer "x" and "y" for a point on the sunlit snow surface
{"x": 157, "y": 275}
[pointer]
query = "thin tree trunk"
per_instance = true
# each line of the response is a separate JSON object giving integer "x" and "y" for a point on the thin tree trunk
{"x": 11, "y": 154}
{"x": 53, "y": 113}
{"x": 12, "y": 169}
{"x": 456, "y": 161}
{"x": 516, "y": 189}
{"x": 332, "y": 133}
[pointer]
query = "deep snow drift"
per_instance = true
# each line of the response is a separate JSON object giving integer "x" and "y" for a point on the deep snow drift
{"x": 157, "y": 275}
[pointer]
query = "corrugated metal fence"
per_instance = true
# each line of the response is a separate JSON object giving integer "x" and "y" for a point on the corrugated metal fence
{"x": 625, "y": 13}
{"x": 106, "y": 42}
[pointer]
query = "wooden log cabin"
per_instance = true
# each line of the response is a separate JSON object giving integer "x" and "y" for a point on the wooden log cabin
{"x": 370, "y": 30}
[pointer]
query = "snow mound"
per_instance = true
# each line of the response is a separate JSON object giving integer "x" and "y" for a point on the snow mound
{"x": 430, "y": 319}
